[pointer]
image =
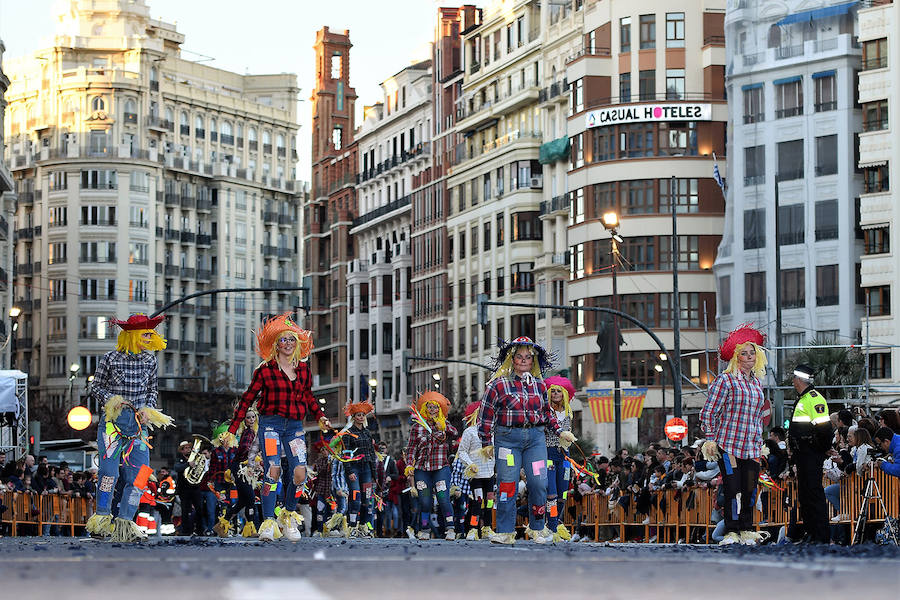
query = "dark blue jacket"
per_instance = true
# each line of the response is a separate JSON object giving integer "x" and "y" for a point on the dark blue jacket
{"x": 893, "y": 468}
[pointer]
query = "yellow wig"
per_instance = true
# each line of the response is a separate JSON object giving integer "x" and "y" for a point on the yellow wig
{"x": 505, "y": 369}
{"x": 130, "y": 341}
{"x": 759, "y": 369}
{"x": 243, "y": 425}
{"x": 267, "y": 338}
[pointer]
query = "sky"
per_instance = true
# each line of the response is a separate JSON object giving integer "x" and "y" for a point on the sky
{"x": 269, "y": 36}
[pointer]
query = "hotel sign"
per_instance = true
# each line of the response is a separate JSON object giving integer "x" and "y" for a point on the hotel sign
{"x": 646, "y": 113}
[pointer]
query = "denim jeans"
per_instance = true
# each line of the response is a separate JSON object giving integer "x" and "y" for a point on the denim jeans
{"x": 833, "y": 495}
{"x": 277, "y": 436}
{"x": 391, "y": 517}
{"x": 209, "y": 510}
{"x": 439, "y": 481}
{"x": 111, "y": 459}
{"x": 528, "y": 449}
{"x": 359, "y": 483}
{"x": 558, "y": 471}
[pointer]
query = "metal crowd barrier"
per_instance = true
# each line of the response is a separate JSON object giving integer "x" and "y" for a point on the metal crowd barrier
{"x": 27, "y": 512}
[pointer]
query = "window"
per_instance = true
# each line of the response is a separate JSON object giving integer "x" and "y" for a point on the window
{"x": 625, "y": 34}
{"x": 636, "y": 140}
{"x": 879, "y": 365}
{"x": 577, "y": 92}
{"x": 878, "y": 299}
{"x": 788, "y": 97}
{"x": 474, "y": 188}
{"x": 826, "y": 155}
{"x": 98, "y": 144}
{"x": 501, "y": 289}
{"x": 875, "y": 115}
{"x": 57, "y": 364}
{"x": 647, "y": 84}
{"x": 486, "y": 283}
{"x": 686, "y": 192}
{"x": 754, "y": 165}
{"x": 648, "y": 31}
{"x": 754, "y": 103}
{"x": 876, "y": 179}
{"x": 576, "y": 206}
{"x": 877, "y": 240}
{"x": 526, "y": 226}
{"x": 724, "y": 299}
{"x": 791, "y": 225}
{"x": 137, "y": 290}
{"x": 462, "y": 292}
{"x": 754, "y": 292}
{"x": 57, "y": 216}
{"x": 57, "y": 290}
{"x": 674, "y": 30}
{"x": 577, "y": 151}
{"x": 636, "y": 197}
{"x": 640, "y": 252}
{"x": 337, "y": 137}
{"x": 97, "y": 103}
{"x": 521, "y": 277}
{"x": 96, "y": 179}
{"x": 58, "y": 180}
{"x": 486, "y": 187}
{"x": 793, "y": 292}
{"x": 473, "y": 237}
{"x": 462, "y": 244}
{"x": 624, "y": 87}
{"x": 57, "y": 253}
{"x": 827, "y": 290}
{"x": 576, "y": 262}
{"x": 826, "y": 220}
{"x": 501, "y": 228}
{"x": 790, "y": 160}
{"x": 688, "y": 252}
{"x": 676, "y": 139}
{"x": 674, "y": 84}
{"x": 486, "y": 238}
{"x": 826, "y": 91}
{"x": 874, "y": 54}
{"x": 336, "y": 65}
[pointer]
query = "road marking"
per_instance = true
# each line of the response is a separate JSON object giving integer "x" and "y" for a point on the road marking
{"x": 288, "y": 588}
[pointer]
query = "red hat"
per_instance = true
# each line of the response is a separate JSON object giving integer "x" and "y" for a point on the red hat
{"x": 472, "y": 407}
{"x": 743, "y": 334}
{"x": 138, "y": 322}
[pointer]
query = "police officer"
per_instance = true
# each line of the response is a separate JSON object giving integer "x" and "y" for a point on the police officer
{"x": 809, "y": 437}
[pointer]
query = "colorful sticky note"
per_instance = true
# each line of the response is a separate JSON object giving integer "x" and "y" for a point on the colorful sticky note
{"x": 565, "y": 494}
{"x": 510, "y": 460}
{"x": 490, "y": 503}
{"x": 549, "y": 463}
{"x": 503, "y": 496}
{"x": 271, "y": 447}
{"x": 502, "y": 452}
{"x": 538, "y": 466}
{"x": 273, "y": 487}
{"x": 474, "y": 521}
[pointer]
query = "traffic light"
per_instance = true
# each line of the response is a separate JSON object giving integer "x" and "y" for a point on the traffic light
{"x": 482, "y": 310}
{"x": 34, "y": 437}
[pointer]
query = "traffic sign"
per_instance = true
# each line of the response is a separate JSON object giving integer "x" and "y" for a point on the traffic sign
{"x": 676, "y": 429}
{"x": 79, "y": 418}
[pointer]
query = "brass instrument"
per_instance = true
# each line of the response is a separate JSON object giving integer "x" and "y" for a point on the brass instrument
{"x": 197, "y": 463}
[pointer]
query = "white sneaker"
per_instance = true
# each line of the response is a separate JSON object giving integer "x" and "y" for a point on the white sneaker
{"x": 450, "y": 534}
{"x": 748, "y": 538}
{"x": 839, "y": 518}
{"x": 539, "y": 537}
{"x": 290, "y": 525}
{"x": 269, "y": 531}
{"x": 646, "y": 521}
{"x": 472, "y": 535}
{"x": 652, "y": 539}
{"x": 576, "y": 537}
{"x": 410, "y": 533}
{"x": 423, "y": 535}
{"x": 731, "y": 538}
{"x": 503, "y": 538}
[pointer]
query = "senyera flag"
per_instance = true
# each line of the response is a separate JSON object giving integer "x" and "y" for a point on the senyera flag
{"x": 603, "y": 409}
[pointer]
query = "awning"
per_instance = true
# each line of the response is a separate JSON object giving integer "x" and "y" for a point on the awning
{"x": 872, "y": 163}
{"x": 874, "y": 226}
{"x": 555, "y": 150}
{"x": 751, "y": 86}
{"x": 818, "y": 13}
{"x": 785, "y": 80}
{"x": 821, "y": 74}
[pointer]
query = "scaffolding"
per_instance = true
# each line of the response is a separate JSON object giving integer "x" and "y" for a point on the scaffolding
{"x": 14, "y": 413}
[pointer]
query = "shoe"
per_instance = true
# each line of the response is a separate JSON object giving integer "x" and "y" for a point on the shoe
{"x": 503, "y": 538}
{"x": 317, "y": 534}
{"x": 730, "y": 538}
{"x": 539, "y": 537}
{"x": 331, "y": 524}
{"x": 576, "y": 538}
{"x": 450, "y": 534}
{"x": 290, "y": 522}
{"x": 472, "y": 535}
{"x": 839, "y": 518}
{"x": 368, "y": 533}
{"x": 748, "y": 538}
{"x": 222, "y": 528}
{"x": 410, "y": 533}
{"x": 486, "y": 532}
{"x": 423, "y": 535}
{"x": 646, "y": 521}
{"x": 356, "y": 532}
{"x": 563, "y": 533}
{"x": 269, "y": 531}
{"x": 652, "y": 539}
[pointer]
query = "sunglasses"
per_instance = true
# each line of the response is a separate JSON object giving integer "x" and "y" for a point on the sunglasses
{"x": 286, "y": 340}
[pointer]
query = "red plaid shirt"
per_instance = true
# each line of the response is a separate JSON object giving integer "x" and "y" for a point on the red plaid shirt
{"x": 275, "y": 394}
{"x": 429, "y": 451}
{"x": 513, "y": 402}
{"x": 733, "y": 414}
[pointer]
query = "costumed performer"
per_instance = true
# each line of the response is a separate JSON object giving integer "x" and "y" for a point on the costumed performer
{"x": 511, "y": 421}
{"x": 281, "y": 386}
{"x": 360, "y": 469}
{"x": 245, "y": 473}
{"x": 732, "y": 420}
{"x": 126, "y": 384}
{"x": 480, "y": 471}
{"x": 560, "y": 392}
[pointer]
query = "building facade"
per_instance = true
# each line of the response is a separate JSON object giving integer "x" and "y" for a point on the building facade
{"x": 647, "y": 111}
{"x": 144, "y": 177}
{"x": 495, "y": 189}
{"x": 879, "y": 211}
{"x": 794, "y": 121}
{"x": 7, "y": 208}
{"x": 328, "y": 217}
{"x": 394, "y": 143}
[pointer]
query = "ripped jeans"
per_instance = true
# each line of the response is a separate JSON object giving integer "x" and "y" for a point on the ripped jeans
{"x": 277, "y": 436}
{"x": 439, "y": 481}
{"x": 110, "y": 448}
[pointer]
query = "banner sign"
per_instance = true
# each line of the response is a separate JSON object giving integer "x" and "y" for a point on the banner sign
{"x": 648, "y": 113}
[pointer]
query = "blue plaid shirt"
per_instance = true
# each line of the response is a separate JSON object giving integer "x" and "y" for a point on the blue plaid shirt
{"x": 457, "y": 477}
{"x": 135, "y": 377}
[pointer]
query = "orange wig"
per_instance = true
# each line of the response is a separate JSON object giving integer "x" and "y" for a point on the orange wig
{"x": 267, "y": 338}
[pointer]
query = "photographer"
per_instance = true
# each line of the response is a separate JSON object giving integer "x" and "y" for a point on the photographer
{"x": 888, "y": 442}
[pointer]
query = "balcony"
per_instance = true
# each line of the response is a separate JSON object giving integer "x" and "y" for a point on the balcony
{"x": 4, "y": 226}
{"x": 213, "y": 136}
{"x": 285, "y": 220}
{"x": 281, "y": 152}
{"x": 173, "y": 235}
{"x": 98, "y": 223}
{"x": 253, "y": 145}
{"x": 269, "y": 251}
{"x": 204, "y": 275}
{"x": 23, "y": 269}
{"x": 25, "y": 198}
{"x": 186, "y": 309}
{"x": 173, "y": 200}
{"x": 789, "y": 52}
{"x": 268, "y": 283}
{"x": 199, "y": 133}
{"x": 784, "y": 113}
{"x": 204, "y": 239}
{"x": 285, "y": 253}
{"x": 558, "y": 203}
{"x": 267, "y": 148}
{"x": 270, "y": 217}
{"x": 188, "y": 273}
{"x": 172, "y": 271}
{"x": 188, "y": 202}
{"x": 204, "y": 205}
{"x": 130, "y": 118}
{"x": 382, "y": 210}
{"x": 203, "y": 348}
{"x": 878, "y": 62}
{"x": 25, "y": 233}
{"x": 227, "y": 140}
{"x": 187, "y": 237}
{"x": 203, "y": 312}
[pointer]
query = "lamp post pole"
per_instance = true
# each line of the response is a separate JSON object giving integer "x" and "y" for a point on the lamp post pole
{"x": 617, "y": 379}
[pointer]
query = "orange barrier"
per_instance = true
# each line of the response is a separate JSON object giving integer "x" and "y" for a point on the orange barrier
{"x": 29, "y": 512}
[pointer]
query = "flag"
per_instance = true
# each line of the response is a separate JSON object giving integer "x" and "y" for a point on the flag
{"x": 633, "y": 403}
{"x": 601, "y": 403}
{"x": 716, "y": 175}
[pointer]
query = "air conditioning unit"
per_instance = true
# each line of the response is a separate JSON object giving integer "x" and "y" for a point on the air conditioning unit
{"x": 537, "y": 181}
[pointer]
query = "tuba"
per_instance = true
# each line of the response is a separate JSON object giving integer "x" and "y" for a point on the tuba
{"x": 197, "y": 463}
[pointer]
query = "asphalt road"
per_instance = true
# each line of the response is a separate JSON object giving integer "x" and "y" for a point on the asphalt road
{"x": 317, "y": 569}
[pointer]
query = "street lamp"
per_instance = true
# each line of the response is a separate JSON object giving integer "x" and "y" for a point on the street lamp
{"x": 659, "y": 369}
{"x": 73, "y": 374}
{"x": 14, "y": 313}
{"x": 373, "y": 384}
{"x": 611, "y": 223}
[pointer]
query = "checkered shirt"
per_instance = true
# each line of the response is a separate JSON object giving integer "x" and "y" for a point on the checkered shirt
{"x": 362, "y": 443}
{"x": 429, "y": 451}
{"x": 732, "y": 415}
{"x": 513, "y": 402}
{"x": 458, "y": 478}
{"x": 278, "y": 395}
{"x": 135, "y": 377}
{"x": 565, "y": 424}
